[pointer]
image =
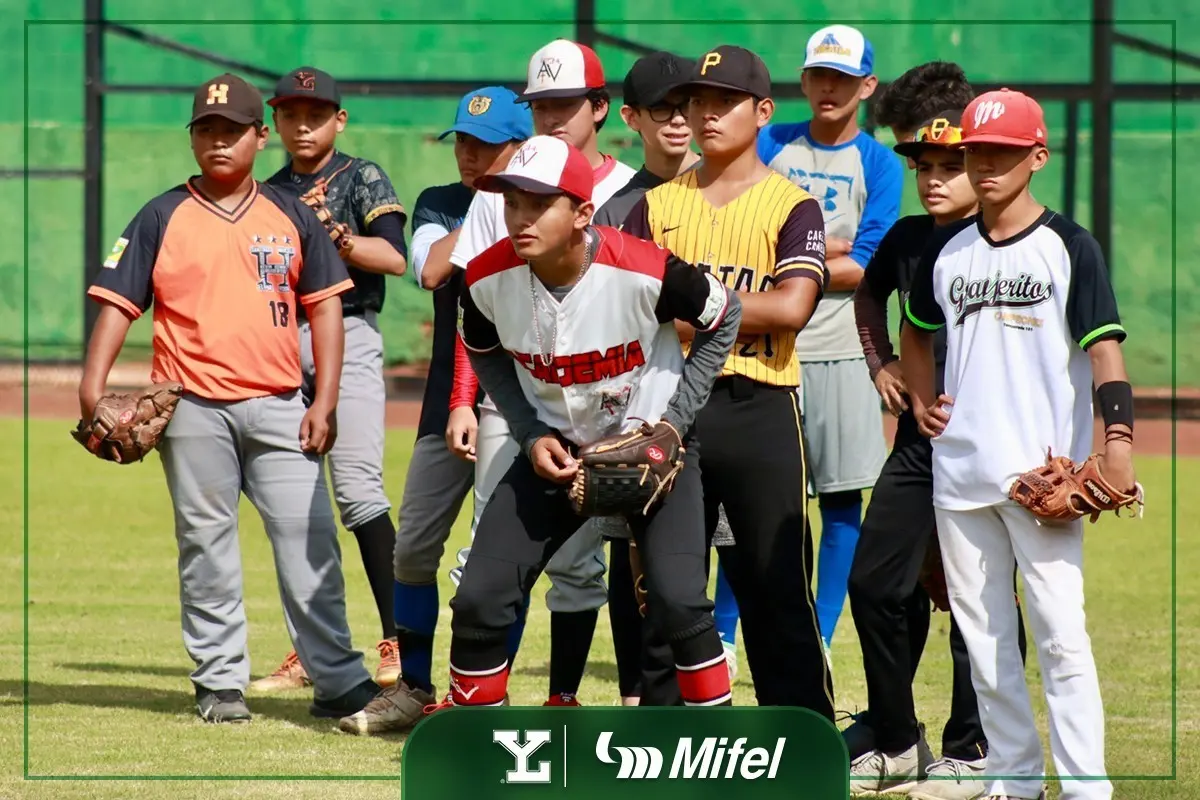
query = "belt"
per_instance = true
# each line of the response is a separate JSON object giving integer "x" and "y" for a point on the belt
{"x": 740, "y": 387}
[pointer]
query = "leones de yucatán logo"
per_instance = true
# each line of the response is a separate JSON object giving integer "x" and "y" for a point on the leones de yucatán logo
{"x": 522, "y": 752}
{"x": 972, "y": 296}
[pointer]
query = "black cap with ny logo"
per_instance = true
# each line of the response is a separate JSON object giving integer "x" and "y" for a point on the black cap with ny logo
{"x": 227, "y": 96}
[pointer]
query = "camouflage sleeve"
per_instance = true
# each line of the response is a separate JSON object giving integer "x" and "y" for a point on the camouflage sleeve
{"x": 374, "y": 195}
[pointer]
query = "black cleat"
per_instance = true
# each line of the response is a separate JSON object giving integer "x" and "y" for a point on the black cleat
{"x": 222, "y": 705}
{"x": 348, "y": 704}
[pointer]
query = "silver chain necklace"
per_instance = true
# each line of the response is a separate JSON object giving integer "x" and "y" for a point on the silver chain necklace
{"x": 548, "y": 358}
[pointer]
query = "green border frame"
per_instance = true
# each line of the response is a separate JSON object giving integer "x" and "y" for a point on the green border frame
{"x": 739, "y": 23}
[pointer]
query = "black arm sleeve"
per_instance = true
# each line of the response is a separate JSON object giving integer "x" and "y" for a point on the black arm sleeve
{"x": 691, "y": 295}
{"x": 1091, "y": 303}
{"x": 800, "y": 249}
{"x": 497, "y": 375}
{"x": 390, "y": 228}
{"x": 478, "y": 332}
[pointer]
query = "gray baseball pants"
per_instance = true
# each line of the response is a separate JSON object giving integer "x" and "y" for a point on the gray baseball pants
{"x": 212, "y": 453}
{"x": 437, "y": 484}
{"x": 356, "y": 460}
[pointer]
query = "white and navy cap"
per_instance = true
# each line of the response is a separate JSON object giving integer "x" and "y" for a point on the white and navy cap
{"x": 563, "y": 69}
{"x": 544, "y": 165}
{"x": 841, "y": 48}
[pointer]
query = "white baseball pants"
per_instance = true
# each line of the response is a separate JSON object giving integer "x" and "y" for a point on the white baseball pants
{"x": 978, "y": 548}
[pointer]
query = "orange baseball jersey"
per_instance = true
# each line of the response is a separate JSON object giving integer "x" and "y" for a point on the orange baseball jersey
{"x": 770, "y": 233}
{"x": 224, "y": 285}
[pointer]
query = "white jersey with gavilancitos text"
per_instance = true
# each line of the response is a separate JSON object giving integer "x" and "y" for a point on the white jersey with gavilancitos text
{"x": 607, "y": 351}
{"x": 1019, "y": 316}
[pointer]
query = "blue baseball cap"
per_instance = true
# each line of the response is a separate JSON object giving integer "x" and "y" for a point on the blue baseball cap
{"x": 841, "y": 48}
{"x": 493, "y": 115}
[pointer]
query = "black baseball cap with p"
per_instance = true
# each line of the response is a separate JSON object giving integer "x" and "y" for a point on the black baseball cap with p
{"x": 306, "y": 83}
{"x": 732, "y": 67}
{"x": 230, "y": 97}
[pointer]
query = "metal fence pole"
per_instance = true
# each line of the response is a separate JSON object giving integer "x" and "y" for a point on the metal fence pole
{"x": 93, "y": 156}
{"x": 1102, "y": 125}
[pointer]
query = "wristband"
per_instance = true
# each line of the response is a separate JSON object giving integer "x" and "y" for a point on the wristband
{"x": 1116, "y": 403}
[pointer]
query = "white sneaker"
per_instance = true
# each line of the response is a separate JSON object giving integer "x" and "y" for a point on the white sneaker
{"x": 876, "y": 772}
{"x": 952, "y": 779}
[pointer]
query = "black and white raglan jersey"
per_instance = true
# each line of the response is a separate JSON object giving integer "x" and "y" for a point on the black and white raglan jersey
{"x": 1019, "y": 317}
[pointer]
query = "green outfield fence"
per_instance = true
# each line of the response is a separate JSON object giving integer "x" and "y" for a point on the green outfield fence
{"x": 110, "y": 83}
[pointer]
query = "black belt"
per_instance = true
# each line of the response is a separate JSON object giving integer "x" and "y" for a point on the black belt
{"x": 740, "y": 387}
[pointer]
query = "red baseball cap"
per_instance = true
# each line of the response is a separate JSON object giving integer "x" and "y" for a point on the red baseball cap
{"x": 1004, "y": 117}
{"x": 563, "y": 69}
{"x": 544, "y": 165}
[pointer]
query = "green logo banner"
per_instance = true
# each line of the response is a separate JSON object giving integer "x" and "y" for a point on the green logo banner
{"x": 505, "y": 753}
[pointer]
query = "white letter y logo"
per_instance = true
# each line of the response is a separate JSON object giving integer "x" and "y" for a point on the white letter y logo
{"x": 511, "y": 741}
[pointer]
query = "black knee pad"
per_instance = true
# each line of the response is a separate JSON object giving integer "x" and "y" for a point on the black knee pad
{"x": 845, "y": 499}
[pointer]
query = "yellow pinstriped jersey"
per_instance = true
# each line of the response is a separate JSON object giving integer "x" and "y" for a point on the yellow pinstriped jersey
{"x": 770, "y": 233}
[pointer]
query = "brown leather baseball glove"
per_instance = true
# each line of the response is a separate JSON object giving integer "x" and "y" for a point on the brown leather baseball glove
{"x": 314, "y": 198}
{"x": 627, "y": 472}
{"x": 125, "y": 427}
{"x": 1061, "y": 491}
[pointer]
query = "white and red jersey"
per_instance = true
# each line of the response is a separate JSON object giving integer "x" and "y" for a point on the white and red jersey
{"x": 606, "y": 352}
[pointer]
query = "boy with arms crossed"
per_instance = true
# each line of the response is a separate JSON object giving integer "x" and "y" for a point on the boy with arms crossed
{"x": 857, "y": 181}
{"x": 225, "y": 261}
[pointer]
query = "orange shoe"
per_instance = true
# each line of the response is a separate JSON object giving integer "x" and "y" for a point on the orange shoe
{"x": 388, "y": 671}
{"x": 289, "y": 675}
{"x": 564, "y": 699}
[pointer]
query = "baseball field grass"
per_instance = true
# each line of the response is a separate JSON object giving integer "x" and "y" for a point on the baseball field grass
{"x": 108, "y": 692}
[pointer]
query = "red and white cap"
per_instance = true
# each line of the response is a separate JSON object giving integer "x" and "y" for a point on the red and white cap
{"x": 563, "y": 69}
{"x": 1004, "y": 117}
{"x": 544, "y": 165}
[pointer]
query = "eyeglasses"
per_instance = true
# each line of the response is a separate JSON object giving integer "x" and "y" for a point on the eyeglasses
{"x": 940, "y": 131}
{"x": 665, "y": 112}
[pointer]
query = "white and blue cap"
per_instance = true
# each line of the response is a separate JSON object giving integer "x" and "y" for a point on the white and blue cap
{"x": 492, "y": 114}
{"x": 841, "y": 48}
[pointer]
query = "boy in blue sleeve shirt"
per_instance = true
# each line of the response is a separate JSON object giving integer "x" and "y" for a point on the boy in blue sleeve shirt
{"x": 858, "y": 183}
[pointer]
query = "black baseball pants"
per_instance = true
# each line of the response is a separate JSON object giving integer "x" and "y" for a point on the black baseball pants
{"x": 753, "y": 461}
{"x": 528, "y": 518}
{"x": 887, "y": 602}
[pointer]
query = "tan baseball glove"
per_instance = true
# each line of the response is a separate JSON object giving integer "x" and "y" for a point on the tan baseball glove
{"x": 314, "y": 198}
{"x": 626, "y": 473}
{"x": 1062, "y": 491}
{"x": 125, "y": 427}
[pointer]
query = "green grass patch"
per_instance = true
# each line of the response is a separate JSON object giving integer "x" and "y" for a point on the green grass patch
{"x": 109, "y": 692}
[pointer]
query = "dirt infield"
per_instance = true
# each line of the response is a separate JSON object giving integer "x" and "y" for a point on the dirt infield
{"x": 59, "y": 402}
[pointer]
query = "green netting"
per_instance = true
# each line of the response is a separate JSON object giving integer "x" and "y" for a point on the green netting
{"x": 146, "y": 147}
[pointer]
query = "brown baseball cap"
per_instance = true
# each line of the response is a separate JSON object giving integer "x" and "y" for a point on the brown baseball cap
{"x": 230, "y": 97}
